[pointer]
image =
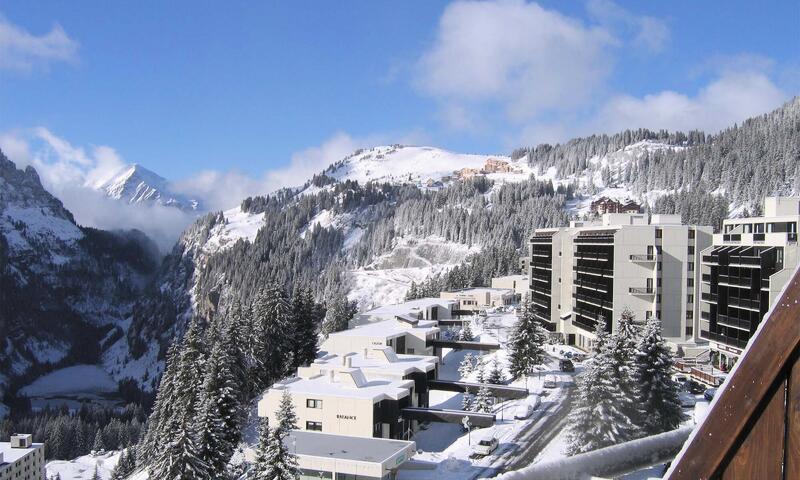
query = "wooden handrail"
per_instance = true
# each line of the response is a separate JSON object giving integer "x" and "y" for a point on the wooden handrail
{"x": 746, "y": 402}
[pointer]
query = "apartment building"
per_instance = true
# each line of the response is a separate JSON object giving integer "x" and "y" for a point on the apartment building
{"x": 592, "y": 271}
{"x": 743, "y": 273}
{"x": 21, "y": 459}
{"x": 476, "y": 299}
{"x": 406, "y": 334}
{"x": 518, "y": 283}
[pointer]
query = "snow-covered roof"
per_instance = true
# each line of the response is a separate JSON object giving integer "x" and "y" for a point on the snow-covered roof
{"x": 345, "y": 447}
{"x": 483, "y": 290}
{"x": 389, "y": 329}
{"x": 346, "y": 383}
{"x": 378, "y": 360}
{"x": 408, "y": 306}
{"x": 11, "y": 455}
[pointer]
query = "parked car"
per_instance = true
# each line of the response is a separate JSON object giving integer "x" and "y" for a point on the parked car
{"x": 550, "y": 381}
{"x": 523, "y": 411}
{"x": 681, "y": 379}
{"x": 566, "y": 366}
{"x": 485, "y": 445}
{"x": 694, "y": 387}
{"x": 709, "y": 394}
{"x": 687, "y": 400}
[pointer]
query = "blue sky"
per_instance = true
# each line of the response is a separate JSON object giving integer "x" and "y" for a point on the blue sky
{"x": 214, "y": 95}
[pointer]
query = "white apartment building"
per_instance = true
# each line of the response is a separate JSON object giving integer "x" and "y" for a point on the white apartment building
{"x": 743, "y": 273}
{"x": 422, "y": 309}
{"x": 21, "y": 459}
{"x": 406, "y": 334}
{"x": 518, "y": 283}
{"x": 593, "y": 271}
{"x": 475, "y": 299}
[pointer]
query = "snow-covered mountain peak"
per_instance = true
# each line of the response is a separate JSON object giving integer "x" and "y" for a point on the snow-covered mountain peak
{"x": 136, "y": 184}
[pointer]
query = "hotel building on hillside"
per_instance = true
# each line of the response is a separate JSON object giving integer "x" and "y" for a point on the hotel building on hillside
{"x": 593, "y": 270}
{"x": 406, "y": 334}
{"x": 21, "y": 459}
{"x": 357, "y": 394}
{"x": 480, "y": 298}
{"x": 743, "y": 273}
{"x": 421, "y": 309}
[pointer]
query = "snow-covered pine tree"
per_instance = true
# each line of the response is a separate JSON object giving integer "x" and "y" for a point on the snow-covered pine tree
{"x": 163, "y": 408}
{"x": 179, "y": 460}
{"x": 213, "y": 437}
{"x": 99, "y": 442}
{"x": 527, "y": 342}
{"x": 273, "y": 340}
{"x": 601, "y": 335}
{"x": 307, "y": 325}
{"x": 466, "y": 333}
{"x": 273, "y": 461}
{"x": 286, "y": 416}
{"x": 496, "y": 375}
{"x": 484, "y": 400}
{"x": 126, "y": 465}
{"x": 466, "y": 400}
{"x": 597, "y": 419}
{"x": 466, "y": 366}
{"x": 481, "y": 377}
{"x": 658, "y": 392}
{"x": 338, "y": 316}
{"x": 621, "y": 347}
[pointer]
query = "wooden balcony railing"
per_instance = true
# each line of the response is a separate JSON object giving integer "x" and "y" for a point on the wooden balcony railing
{"x": 753, "y": 427}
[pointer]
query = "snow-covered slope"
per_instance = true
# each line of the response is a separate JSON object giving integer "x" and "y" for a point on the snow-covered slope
{"x": 135, "y": 184}
{"x": 416, "y": 165}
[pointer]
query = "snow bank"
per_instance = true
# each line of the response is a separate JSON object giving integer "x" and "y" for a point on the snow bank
{"x": 71, "y": 380}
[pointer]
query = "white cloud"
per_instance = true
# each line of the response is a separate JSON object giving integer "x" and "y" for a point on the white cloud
{"x": 21, "y": 50}
{"x": 731, "y": 97}
{"x": 526, "y": 58}
{"x": 649, "y": 33}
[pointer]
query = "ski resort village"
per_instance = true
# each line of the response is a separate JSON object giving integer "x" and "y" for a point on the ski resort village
{"x": 419, "y": 240}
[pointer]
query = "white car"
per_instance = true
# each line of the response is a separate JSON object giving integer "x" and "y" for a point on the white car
{"x": 523, "y": 411}
{"x": 485, "y": 445}
{"x": 687, "y": 400}
{"x": 550, "y": 381}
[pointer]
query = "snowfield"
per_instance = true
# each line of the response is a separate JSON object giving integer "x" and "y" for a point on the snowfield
{"x": 239, "y": 225}
{"x": 71, "y": 380}
{"x": 82, "y": 468}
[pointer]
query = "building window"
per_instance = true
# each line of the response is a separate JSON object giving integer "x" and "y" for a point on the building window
{"x": 690, "y": 250}
{"x": 658, "y": 233}
{"x": 689, "y": 330}
{"x": 691, "y": 233}
{"x": 690, "y": 282}
{"x": 690, "y": 298}
{"x": 315, "y": 426}
{"x": 689, "y": 315}
{"x": 659, "y": 266}
{"x": 658, "y": 282}
{"x": 690, "y": 266}
{"x": 313, "y": 403}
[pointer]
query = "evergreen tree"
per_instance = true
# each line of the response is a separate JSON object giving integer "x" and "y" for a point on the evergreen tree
{"x": 496, "y": 375}
{"x": 484, "y": 401}
{"x": 99, "y": 443}
{"x": 481, "y": 377}
{"x": 658, "y": 392}
{"x": 622, "y": 351}
{"x": 338, "y": 316}
{"x": 466, "y": 400}
{"x": 125, "y": 466}
{"x": 213, "y": 446}
{"x": 96, "y": 474}
{"x": 527, "y": 342}
{"x": 601, "y": 335}
{"x": 180, "y": 460}
{"x": 598, "y": 418}
{"x": 466, "y": 333}
{"x": 286, "y": 416}
{"x": 307, "y": 325}
{"x": 273, "y": 340}
{"x": 273, "y": 461}
{"x": 466, "y": 366}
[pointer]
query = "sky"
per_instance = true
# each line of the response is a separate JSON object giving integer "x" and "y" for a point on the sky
{"x": 229, "y": 99}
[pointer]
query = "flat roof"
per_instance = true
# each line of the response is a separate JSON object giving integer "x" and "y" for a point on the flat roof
{"x": 376, "y": 360}
{"x": 388, "y": 328}
{"x": 359, "y": 449}
{"x": 11, "y": 455}
{"x": 322, "y": 385}
{"x": 406, "y": 307}
{"x": 481, "y": 290}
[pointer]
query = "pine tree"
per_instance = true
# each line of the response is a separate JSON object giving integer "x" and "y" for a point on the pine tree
{"x": 286, "y": 416}
{"x": 598, "y": 418}
{"x": 273, "y": 461}
{"x": 466, "y": 333}
{"x": 481, "y": 377}
{"x": 338, "y": 316}
{"x": 658, "y": 392}
{"x": 180, "y": 459}
{"x": 126, "y": 464}
{"x": 273, "y": 353}
{"x": 99, "y": 443}
{"x": 307, "y": 324}
{"x": 466, "y": 366}
{"x": 496, "y": 375}
{"x": 484, "y": 401}
{"x": 96, "y": 474}
{"x": 527, "y": 342}
{"x": 212, "y": 445}
{"x": 621, "y": 347}
{"x": 466, "y": 400}
{"x": 601, "y": 335}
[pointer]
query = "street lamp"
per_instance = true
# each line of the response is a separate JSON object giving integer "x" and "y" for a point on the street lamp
{"x": 467, "y": 424}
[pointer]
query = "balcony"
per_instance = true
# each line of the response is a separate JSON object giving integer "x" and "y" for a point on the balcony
{"x": 745, "y": 303}
{"x": 581, "y": 269}
{"x": 641, "y": 291}
{"x": 595, "y": 256}
{"x": 733, "y": 322}
{"x": 744, "y": 282}
{"x": 647, "y": 258}
{"x": 598, "y": 302}
{"x": 709, "y": 297}
{"x": 713, "y": 259}
{"x": 706, "y": 277}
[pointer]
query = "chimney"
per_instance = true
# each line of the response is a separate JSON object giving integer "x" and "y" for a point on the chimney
{"x": 349, "y": 362}
{"x": 344, "y": 360}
